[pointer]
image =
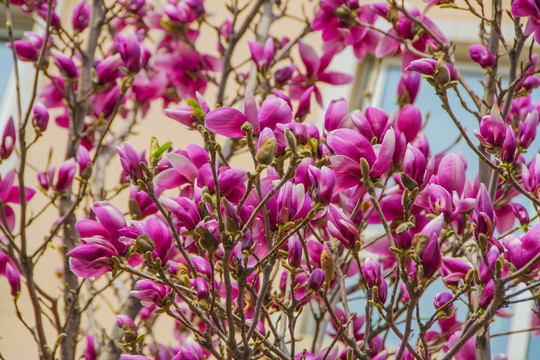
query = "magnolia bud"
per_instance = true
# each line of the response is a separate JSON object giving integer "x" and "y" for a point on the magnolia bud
{"x": 316, "y": 279}
{"x": 327, "y": 264}
{"x": 182, "y": 273}
{"x": 267, "y": 151}
{"x": 143, "y": 244}
{"x": 420, "y": 243}
{"x": 291, "y": 140}
{"x": 207, "y": 240}
{"x": 295, "y": 252}
{"x": 442, "y": 74}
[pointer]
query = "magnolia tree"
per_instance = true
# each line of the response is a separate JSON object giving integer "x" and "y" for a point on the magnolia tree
{"x": 232, "y": 259}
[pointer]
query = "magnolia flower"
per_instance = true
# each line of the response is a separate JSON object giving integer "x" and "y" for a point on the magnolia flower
{"x": 316, "y": 70}
{"x": 480, "y": 54}
{"x": 40, "y": 119}
{"x": 492, "y": 129}
{"x": 522, "y": 249}
{"x": 229, "y": 121}
{"x": 8, "y": 140}
{"x": 81, "y": 15}
{"x": 350, "y": 147}
{"x": 531, "y": 10}
{"x": 101, "y": 240}
{"x": 10, "y": 271}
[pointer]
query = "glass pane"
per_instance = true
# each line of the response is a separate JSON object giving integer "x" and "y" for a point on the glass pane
{"x": 6, "y": 62}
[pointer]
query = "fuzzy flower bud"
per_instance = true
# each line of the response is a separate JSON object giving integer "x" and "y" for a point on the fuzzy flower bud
{"x": 327, "y": 265}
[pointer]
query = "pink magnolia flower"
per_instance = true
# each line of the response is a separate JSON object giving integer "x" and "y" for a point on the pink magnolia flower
{"x": 8, "y": 139}
{"x": 228, "y": 121}
{"x": 531, "y": 10}
{"x": 81, "y": 15}
{"x": 480, "y": 54}
{"x": 9, "y": 194}
{"x": 150, "y": 293}
{"x": 522, "y": 249}
{"x": 316, "y": 70}
{"x": 12, "y": 274}
{"x": 262, "y": 55}
{"x": 101, "y": 240}
{"x": 492, "y": 129}
{"x": 408, "y": 87}
{"x": 350, "y": 146}
{"x": 40, "y": 119}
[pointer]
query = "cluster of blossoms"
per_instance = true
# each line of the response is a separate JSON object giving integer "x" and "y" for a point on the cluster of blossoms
{"x": 362, "y": 198}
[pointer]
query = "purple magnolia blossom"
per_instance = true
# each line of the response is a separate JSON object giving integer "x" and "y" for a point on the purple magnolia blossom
{"x": 467, "y": 352}
{"x": 527, "y": 129}
{"x": 531, "y": 175}
{"x": 371, "y": 268}
{"x": 492, "y": 129}
{"x": 453, "y": 270}
{"x": 509, "y": 146}
{"x": 202, "y": 288}
{"x": 531, "y": 10}
{"x": 159, "y": 233}
{"x": 150, "y": 293}
{"x": 350, "y": 147}
{"x": 81, "y": 15}
{"x": 130, "y": 51}
{"x": 336, "y": 115}
{"x": 483, "y": 214}
{"x": 9, "y": 194}
{"x": 295, "y": 252}
{"x": 262, "y": 55}
{"x": 522, "y": 249}
{"x": 324, "y": 181}
{"x": 28, "y": 50}
{"x": 122, "y": 320}
{"x": 65, "y": 64}
{"x": 416, "y": 167}
{"x": 429, "y": 67}
{"x": 408, "y": 87}
{"x": 184, "y": 211}
{"x": 12, "y": 274}
{"x": 188, "y": 115}
{"x": 108, "y": 69}
{"x": 65, "y": 175}
{"x": 8, "y": 139}
{"x": 480, "y": 54}
{"x": 316, "y": 279}
{"x": 341, "y": 227}
{"x": 316, "y": 70}
{"x": 131, "y": 162}
{"x": 101, "y": 240}
{"x": 40, "y": 119}
{"x": 228, "y": 121}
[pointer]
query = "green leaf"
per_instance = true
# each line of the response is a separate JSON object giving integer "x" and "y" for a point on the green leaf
{"x": 161, "y": 150}
{"x": 195, "y": 106}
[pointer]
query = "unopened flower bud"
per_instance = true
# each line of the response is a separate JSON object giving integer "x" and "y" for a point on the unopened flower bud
{"x": 442, "y": 74}
{"x": 327, "y": 265}
{"x": 291, "y": 140}
{"x": 316, "y": 279}
{"x": 420, "y": 243}
{"x": 295, "y": 252}
{"x": 182, "y": 273}
{"x": 144, "y": 244}
{"x": 267, "y": 151}
{"x": 207, "y": 240}
{"x": 404, "y": 240}
{"x": 40, "y": 119}
{"x": 202, "y": 288}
